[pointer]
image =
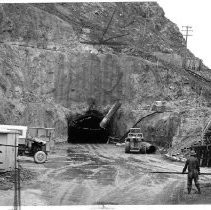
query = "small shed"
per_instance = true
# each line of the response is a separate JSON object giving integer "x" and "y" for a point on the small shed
{"x": 21, "y": 129}
{"x": 8, "y": 149}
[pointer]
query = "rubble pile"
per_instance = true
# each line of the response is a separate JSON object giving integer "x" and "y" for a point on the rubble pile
{"x": 179, "y": 157}
{"x": 7, "y": 178}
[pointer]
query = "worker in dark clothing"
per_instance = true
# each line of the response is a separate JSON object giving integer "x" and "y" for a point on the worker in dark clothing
{"x": 192, "y": 164}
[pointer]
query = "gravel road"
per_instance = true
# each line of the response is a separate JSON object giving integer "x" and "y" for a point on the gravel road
{"x": 89, "y": 174}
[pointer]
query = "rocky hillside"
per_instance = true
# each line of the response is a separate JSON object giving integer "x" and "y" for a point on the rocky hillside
{"x": 54, "y": 58}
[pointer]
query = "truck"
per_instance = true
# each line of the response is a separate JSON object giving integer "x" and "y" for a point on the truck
{"x": 38, "y": 142}
{"x": 134, "y": 142}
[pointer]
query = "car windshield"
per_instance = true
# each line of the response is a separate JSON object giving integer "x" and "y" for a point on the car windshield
{"x": 135, "y": 130}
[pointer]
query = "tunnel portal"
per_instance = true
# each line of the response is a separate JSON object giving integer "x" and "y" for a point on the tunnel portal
{"x": 86, "y": 129}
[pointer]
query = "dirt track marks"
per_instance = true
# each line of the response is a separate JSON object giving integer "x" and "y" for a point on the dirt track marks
{"x": 103, "y": 174}
{"x": 115, "y": 174}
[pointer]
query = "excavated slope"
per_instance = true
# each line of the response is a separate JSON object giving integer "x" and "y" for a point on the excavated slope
{"x": 55, "y": 57}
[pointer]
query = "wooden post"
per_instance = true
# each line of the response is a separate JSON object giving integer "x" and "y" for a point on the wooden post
{"x": 201, "y": 156}
{"x": 204, "y": 157}
{"x": 208, "y": 158}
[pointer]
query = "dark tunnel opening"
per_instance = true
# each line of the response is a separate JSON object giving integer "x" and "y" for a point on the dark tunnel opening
{"x": 86, "y": 128}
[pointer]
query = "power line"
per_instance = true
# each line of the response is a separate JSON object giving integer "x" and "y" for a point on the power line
{"x": 187, "y": 30}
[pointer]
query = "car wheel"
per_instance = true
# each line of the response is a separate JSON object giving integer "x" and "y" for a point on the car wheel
{"x": 40, "y": 157}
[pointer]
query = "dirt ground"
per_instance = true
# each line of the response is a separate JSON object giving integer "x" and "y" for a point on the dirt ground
{"x": 89, "y": 174}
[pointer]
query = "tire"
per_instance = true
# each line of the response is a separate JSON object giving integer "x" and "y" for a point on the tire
{"x": 127, "y": 147}
{"x": 143, "y": 150}
{"x": 40, "y": 157}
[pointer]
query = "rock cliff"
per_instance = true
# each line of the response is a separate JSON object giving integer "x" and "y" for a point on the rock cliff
{"x": 54, "y": 58}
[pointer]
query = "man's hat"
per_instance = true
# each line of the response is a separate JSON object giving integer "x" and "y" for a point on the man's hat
{"x": 192, "y": 153}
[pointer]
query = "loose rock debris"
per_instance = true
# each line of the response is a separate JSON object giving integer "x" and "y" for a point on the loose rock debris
{"x": 7, "y": 178}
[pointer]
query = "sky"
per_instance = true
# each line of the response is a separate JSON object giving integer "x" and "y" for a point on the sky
{"x": 182, "y": 12}
{"x": 196, "y": 14}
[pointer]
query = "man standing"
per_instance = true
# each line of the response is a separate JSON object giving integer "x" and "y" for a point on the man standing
{"x": 193, "y": 171}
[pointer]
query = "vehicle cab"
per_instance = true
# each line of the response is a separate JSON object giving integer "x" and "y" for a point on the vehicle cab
{"x": 133, "y": 140}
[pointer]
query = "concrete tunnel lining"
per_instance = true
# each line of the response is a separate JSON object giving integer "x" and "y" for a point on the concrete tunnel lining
{"x": 86, "y": 128}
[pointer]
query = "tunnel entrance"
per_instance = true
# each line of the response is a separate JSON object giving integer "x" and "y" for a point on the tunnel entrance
{"x": 86, "y": 128}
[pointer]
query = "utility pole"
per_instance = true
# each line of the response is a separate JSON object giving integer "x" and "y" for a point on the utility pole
{"x": 17, "y": 196}
{"x": 186, "y": 30}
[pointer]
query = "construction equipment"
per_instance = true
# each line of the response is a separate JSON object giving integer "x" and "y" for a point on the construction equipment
{"x": 122, "y": 139}
{"x": 158, "y": 106}
{"x": 133, "y": 138}
{"x": 203, "y": 146}
{"x": 135, "y": 142}
{"x": 109, "y": 115}
{"x": 38, "y": 142}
